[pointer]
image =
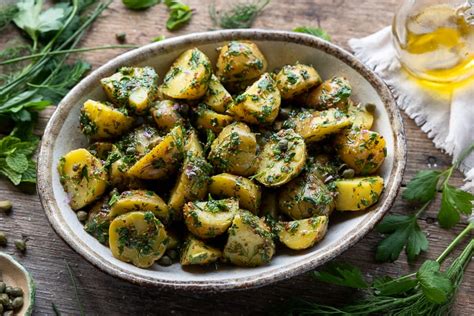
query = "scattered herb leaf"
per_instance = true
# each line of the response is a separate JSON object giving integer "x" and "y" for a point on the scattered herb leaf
{"x": 315, "y": 31}
{"x": 342, "y": 274}
{"x": 140, "y": 4}
{"x": 239, "y": 16}
{"x": 179, "y": 14}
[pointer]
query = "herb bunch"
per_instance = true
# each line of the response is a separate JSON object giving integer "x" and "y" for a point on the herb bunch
{"x": 403, "y": 231}
{"x": 240, "y": 16}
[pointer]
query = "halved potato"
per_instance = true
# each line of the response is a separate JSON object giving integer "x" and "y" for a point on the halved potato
{"x": 296, "y": 79}
{"x": 209, "y": 219}
{"x": 139, "y": 142}
{"x": 259, "y": 104}
{"x": 99, "y": 120}
{"x": 244, "y": 190}
{"x": 217, "y": 98}
{"x": 188, "y": 77}
{"x": 250, "y": 242}
{"x": 98, "y": 221}
{"x": 332, "y": 93}
{"x": 162, "y": 159}
{"x": 358, "y": 193}
{"x": 240, "y": 61}
{"x": 197, "y": 252}
{"x": 319, "y": 124}
{"x": 303, "y": 233}
{"x": 134, "y": 87}
{"x": 360, "y": 117}
{"x": 139, "y": 200}
{"x": 235, "y": 150}
{"x": 165, "y": 115}
{"x": 138, "y": 237}
{"x": 208, "y": 119}
{"x": 282, "y": 158}
{"x": 83, "y": 177}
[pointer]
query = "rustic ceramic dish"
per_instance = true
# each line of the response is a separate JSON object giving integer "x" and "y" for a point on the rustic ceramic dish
{"x": 14, "y": 274}
{"x": 62, "y": 135}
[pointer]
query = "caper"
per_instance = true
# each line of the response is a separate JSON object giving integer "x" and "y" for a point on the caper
{"x": 370, "y": 107}
{"x": 20, "y": 244}
{"x": 3, "y": 286}
{"x": 82, "y": 216}
{"x": 17, "y": 303}
{"x": 3, "y": 241}
{"x": 4, "y": 299}
{"x": 5, "y": 207}
{"x": 348, "y": 173}
{"x": 284, "y": 113}
{"x": 173, "y": 254}
{"x": 165, "y": 261}
{"x": 121, "y": 37}
{"x": 283, "y": 144}
{"x": 15, "y": 291}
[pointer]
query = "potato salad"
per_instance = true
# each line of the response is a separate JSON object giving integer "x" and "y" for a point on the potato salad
{"x": 223, "y": 163}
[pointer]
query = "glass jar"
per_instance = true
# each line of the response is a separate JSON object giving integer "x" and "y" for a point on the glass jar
{"x": 434, "y": 39}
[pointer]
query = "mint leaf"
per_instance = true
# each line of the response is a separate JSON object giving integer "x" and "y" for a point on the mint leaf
{"x": 422, "y": 188}
{"x": 387, "y": 286}
{"x": 315, "y": 31}
{"x": 436, "y": 285}
{"x": 140, "y": 4}
{"x": 30, "y": 174}
{"x": 179, "y": 14}
{"x": 454, "y": 202}
{"x": 17, "y": 162}
{"x": 342, "y": 274}
{"x": 6, "y": 171}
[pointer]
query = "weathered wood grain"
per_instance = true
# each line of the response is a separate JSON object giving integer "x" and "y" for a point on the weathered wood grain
{"x": 104, "y": 295}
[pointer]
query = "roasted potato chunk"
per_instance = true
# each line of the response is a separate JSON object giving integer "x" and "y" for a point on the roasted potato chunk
{"x": 315, "y": 126}
{"x": 101, "y": 121}
{"x": 133, "y": 87}
{"x": 83, "y": 177}
{"x": 360, "y": 117}
{"x": 209, "y": 219}
{"x": 296, "y": 79}
{"x": 162, "y": 159}
{"x": 246, "y": 191}
{"x": 259, "y": 104}
{"x": 101, "y": 150}
{"x": 282, "y": 158}
{"x": 303, "y": 233}
{"x": 217, "y": 98}
{"x": 332, "y": 93}
{"x": 188, "y": 77}
{"x": 234, "y": 150}
{"x": 240, "y": 61}
{"x": 250, "y": 242}
{"x": 139, "y": 142}
{"x": 98, "y": 221}
{"x": 269, "y": 205}
{"x": 358, "y": 193}
{"x": 364, "y": 151}
{"x": 196, "y": 252}
{"x": 210, "y": 120}
{"x": 137, "y": 237}
{"x": 165, "y": 114}
{"x": 139, "y": 200}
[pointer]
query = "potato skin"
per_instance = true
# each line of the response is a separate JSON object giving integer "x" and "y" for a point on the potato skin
{"x": 332, "y": 93}
{"x": 139, "y": 200}
{"x": 101, "y": 121}
{"x": 83, "y": 177}
{"x": 188, "y": 77}
{"x": 217, "y": 98}
{"x": 362, "y": 150}
{"x": 246, "y": 191}
{"x": 137, "y": 237}
{"x": 304, "y": 233}
{"x": 296, "y": 79}
{"x": 358, "y": 193}
{"x": 360, "y": 117}
{"x": 208, "y": 119}
{"x": 196, "y": 252}
{"x": 250, "y": 242}
{"x": 165, "y": 114}
{"x": 234, "y": 150}
{"x": 240, "y": 61}
{"x": 259, "y": 104}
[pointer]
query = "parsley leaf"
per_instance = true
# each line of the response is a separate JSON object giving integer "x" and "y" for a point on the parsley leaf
{"x": 342, "y": 274}
{"x": 140, "y": 4}
{"x": 180, "y": 14}
{"x": 422, "y": 187}
{"x": 435, "y": 285}
{"x": 454, "y": 201}
{"x": 315, "y": 31}
{"x": 403, "y": 232}
{"x": 388, "y": 286}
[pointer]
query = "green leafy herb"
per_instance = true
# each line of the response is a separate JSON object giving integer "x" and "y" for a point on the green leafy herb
{"x": 140, "y": 4}
{"x": 435, "y": 284}
{"x": 315, "y": 31}
{"x": 7, "y": 13}
{"x": 76, "y": 291}
{"x": 180, "y": 14}
{"x": 158, "y": 38}
{"x": 422, "y": 188}
{"x": 453, "y": 203}
{"x": 342, "y": 274}
{"x": 239, "y": 16}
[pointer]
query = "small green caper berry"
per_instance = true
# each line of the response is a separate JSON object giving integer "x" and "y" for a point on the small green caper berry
{"x": 17, "y": 303}
{"x": 3, "y": 241}
{"x": 283, "y": 144}
{"x": 4, "y": 299}
{"x": 173, "y": 254}
{"x": 3, "y": 286}
{"x": 370, "y": 107}
{"x": 165, "y": 261}
{"x": 20, "y": 244}
{"x": 82, "y": 216}
{"x": 348, "y": 173}
{"x": 121, "y": 37}
{"x": 16, "y": 291}
{"x": 5, "y": 207}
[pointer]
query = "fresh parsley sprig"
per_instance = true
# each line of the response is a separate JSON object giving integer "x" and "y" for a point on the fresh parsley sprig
{"x": 403, "y": 231}
{"x": 239, "y": 16}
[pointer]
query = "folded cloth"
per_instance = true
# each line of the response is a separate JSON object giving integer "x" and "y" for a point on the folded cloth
{"x": 447, "y": 117}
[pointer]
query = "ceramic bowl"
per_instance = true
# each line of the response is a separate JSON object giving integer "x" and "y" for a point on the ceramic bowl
{"x": 62, "y": 134}
{"x": 14, "y": 274}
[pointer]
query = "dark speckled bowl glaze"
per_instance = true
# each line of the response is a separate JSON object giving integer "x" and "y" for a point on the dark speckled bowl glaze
{"x": 62, "y": 135}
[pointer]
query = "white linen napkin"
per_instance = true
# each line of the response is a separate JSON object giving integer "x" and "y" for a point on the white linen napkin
{"x": 447, "y": 119}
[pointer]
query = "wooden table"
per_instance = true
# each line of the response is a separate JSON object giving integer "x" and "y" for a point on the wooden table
{"x": 102, "y": 294}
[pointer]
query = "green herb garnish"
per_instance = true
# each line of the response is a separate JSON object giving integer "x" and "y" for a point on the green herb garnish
{"x": 240, "y": 16}
{"x": 180, "y": 14}
{"x": 315, "y": 31}
{"x": 140, "y": 4}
